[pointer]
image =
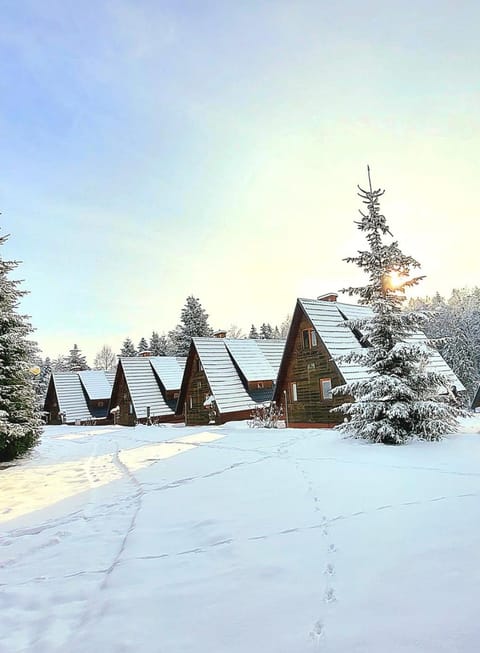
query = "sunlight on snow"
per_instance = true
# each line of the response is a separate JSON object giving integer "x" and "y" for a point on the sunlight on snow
{"x": 54, "y": 483}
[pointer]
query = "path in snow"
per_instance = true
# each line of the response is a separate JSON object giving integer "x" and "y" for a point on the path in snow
{"x": 238, "y": 540}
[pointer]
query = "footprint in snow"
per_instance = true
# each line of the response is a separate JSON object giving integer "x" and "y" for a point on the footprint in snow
{"x": 329, "y": 569}
{"x": 318, "y": 631}
{"x": 329, "y": 595}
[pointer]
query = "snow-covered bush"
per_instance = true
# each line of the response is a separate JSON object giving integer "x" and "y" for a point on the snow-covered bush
{"x": 267, "y": 416}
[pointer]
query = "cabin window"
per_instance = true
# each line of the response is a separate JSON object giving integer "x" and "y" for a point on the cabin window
{"x": 199, "y": 366}
{"x": 190, "y": 402}
{"x": 260, "y": 384}
{"x": 130, "y": 408}
{"x": 326, "y": 388}
{"x": 310, "y": 339}
{"x": 293, "y": 392}
{"x": 100, "y": 404}
{"x": 175, "y": 395}
{"x": 306, "y": 339}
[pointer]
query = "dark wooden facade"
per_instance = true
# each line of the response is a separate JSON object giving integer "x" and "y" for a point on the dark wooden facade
{"x": 51, "y": 404}
{"x": 197, "y": 390}
{"x": 121, "y": 398}
{"x": 476, "y": 401}
{"x": 304, "y": 377}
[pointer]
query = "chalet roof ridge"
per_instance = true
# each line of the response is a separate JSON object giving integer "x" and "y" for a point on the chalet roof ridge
{"x": 143, "y": 387}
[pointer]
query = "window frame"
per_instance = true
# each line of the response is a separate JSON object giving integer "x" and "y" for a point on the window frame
{"x": 309, "y": 338}
{"x": 293, "y": 392}
{"x": 322, "y": 391}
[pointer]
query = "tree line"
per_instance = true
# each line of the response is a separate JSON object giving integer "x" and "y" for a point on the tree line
{"x": 176, "y": 342}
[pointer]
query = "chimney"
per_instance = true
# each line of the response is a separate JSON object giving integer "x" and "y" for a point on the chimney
{"x": 221, "y": 333}
{"x": 145, "y": 354}
{"x": 329, "y": 297}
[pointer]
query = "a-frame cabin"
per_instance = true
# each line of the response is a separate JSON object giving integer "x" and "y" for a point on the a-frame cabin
{"x": 146, "y": 389}
{"x": 226, "y": 378}
{"x": 311, "y": 368}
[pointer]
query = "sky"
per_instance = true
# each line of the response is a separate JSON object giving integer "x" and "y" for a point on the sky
{"x": 156, "y": 149}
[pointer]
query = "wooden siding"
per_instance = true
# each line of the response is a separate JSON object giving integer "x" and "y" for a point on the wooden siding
{"x": 198, "y": 389}
{"x": 51, "y": 404}
{"x": 305, "y": 367}
{"x": 123, "y": 400}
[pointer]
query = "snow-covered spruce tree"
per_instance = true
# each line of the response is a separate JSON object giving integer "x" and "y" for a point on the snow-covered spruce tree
{"x": 142, "y": 346}
{"x": 128, "y": 348}
{"x": 19, "y": 417}
{"x": 253, "y": 333}
{"x": 194, "y": 323}
{"x": 400, "y": 399}
{"x": 76, "y": 361}
{"x": 266, "y": 332}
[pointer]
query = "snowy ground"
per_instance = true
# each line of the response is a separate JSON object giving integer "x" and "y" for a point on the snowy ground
{"x": 231, "y": 540}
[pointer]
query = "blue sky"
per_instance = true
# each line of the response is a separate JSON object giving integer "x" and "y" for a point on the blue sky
{"x": 152, "y": 150}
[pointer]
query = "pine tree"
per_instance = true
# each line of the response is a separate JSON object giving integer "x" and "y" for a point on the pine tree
{"x": 266, "y": 332}
{"x": 128, "y": 348}
{"x": 276, "y": 333}
{"x": 76, "y": 361}
{"x": 194, "y": 323}
{"x": 59, "y": 364}
{"x": 454, "y": 326}
{"x": 142, "y": 346}
{"x": 19, "y": 417}
{"x": 155, "y": 348}
{"x": 253, "y": 333}
{"x": 399, "y": 399}
{"x": 105, "y": 359}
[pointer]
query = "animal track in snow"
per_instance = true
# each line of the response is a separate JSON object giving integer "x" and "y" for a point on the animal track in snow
{"x": 329, "y": 569}
{"x": 318, "y": 631}
{"x": 329, "y": 596}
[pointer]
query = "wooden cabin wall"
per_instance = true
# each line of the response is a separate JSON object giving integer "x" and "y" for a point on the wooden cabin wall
{"x": 124, "y": 400}
{"x": 305, "y": 368}
{"x": 51, "y": 404}
{"x": 198, "y": 389}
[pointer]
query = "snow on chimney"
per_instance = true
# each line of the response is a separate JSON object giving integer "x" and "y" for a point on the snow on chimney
{"x": 329, "y": 297}
{"x": 221, "y": 333}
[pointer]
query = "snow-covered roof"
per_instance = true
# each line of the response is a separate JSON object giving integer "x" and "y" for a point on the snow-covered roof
{"x": 224, "y": 380}
{"x": 96, "y": 383}
{"x": 143, "y": 386}
{"x": 328, "y": 319}
{"x": 169, "y": 370}
{"x": 71, "y": 396}
{"x": 250, "y": 358}
{"x": 273, "y": 350}
{"x": 330, "y": 325}
{"x": 226, "y": 361}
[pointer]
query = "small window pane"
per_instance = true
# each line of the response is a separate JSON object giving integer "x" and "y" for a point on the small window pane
{"x": 314, "y": 339}
{"x": 294, "y": 392}
{"x": 306, "y": 340}
{"x": 326, "y": 388}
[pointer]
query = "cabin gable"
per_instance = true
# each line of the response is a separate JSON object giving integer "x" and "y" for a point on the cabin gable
{"x": 307, "y": 379}
{"x": 122, "y": 398}
{"x": 197, "y": 389}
